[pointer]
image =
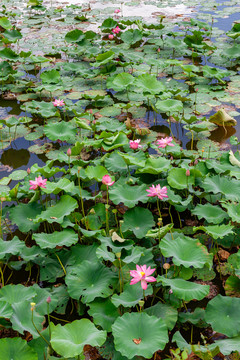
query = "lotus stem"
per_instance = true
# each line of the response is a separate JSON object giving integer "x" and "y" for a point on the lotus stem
{"x": 80, "y": 191}
{"x": 47, "y": 342}
{"x": 107, "y": 220}
{"x": 64, "y": 270}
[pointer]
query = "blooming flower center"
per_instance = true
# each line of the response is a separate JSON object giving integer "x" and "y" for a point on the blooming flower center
{"x": 142, "y": 273}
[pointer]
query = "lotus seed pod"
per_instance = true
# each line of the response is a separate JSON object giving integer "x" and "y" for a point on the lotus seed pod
{"x": 141, "y": 303}
{"x": 166, "y": 266}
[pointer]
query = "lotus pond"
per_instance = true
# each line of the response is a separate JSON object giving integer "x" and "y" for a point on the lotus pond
{"x": 120, "y": 196}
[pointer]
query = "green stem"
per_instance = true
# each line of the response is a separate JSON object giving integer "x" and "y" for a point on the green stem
{"x": 83, "y": 212}
{"x": 61, "y": 264}
{"x": 40, "y": 333}
{"x": 107, "y": 223}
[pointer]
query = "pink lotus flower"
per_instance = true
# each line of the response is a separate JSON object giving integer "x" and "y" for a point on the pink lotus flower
{"x": 58, "y": 102}
{"x": 116, "y": 11}
{"x": 142, "y": 274}
{"x": 162, "y": 143}
{"x": 111, "y": 36}
{"x": 107, "y": 180}
{"x": 39, "y": 182}
{"x": 116, "y": 30}
{"x": 134, "y": 144}
{"x": 157, "y": 191}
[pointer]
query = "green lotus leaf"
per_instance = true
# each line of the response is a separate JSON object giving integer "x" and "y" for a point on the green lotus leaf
{"x": 150, "y": 84}
{"x": 50, "y": 76}
{"x": 165, "y": 312}
{"x": 127, "y": 194}
{"x": 104, "y": 313}
{"x": 139, "y": 334}
{"x": 159, "y": 233}
{"x": 227, "y": 346}
{"x": 117, "y": 140}
{"x": 232, "y": 286}
{"x": 219, "y": 184}
{"x": 18, "y": 175}
{"x": 5, "y": 23}
{"x": 222, "y": 314}
{"x": 212, "y": 213}
{"x": 115, "y": 163}
{"x": 16, "y": 348}
{"x": 195, "y": 318}
{"x": 23, "y": 214}
{"x": 66, "y": 237}
{"x": 45, "y": 109}
{"x": 178, "y": 179}
{"x": 139, "y": 220}
{"x": 70, "y": 339}
{"x": 104, "y": 58}
{"x": 169, "y": 106}
{"x": 217, "y": 231}
{"x": 131, "y": 36}
{"x": 234, "y": 33}
{"x": 14, "y": 294}
{"x": 62, "y": 185}
{"x": 89, "y": 280}
{"x": 12, "y": 35}
{"x": 185, "y": 290}
{"x": 233, "y": 52}
{"x": 96, "y": 172}
{"x": 5, "y": 309}
{"x": 155, "y": 166}
{"x": 13, "y": 247}
{"x": 74, "y": 36}
{"x": 109, "y": 23}
{"x": 21, "y": 318}
{"x": 56, "y": 213}
{"x": 82, "y": 123}
{"x": 60, "y": 131}
{"x": 233, "y": 210}
{"x": 122, "y": 81}
{"x": 187, "y": 252}
{"x": 40, "y": 346}
{"x": 131, "y": 295}
{"x": 137, "y": 158}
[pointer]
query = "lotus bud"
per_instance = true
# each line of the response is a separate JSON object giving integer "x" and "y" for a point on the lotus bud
{"x": 166, "y": 266}
{"x": 69, "y": 152}
{"x": 197, "y": 90}
{"x": 28, "y": 171}
{"x": 48, "y": 299}
{"x": 33, "y": 304}
{"x": 187, "y": 172}
{"x": 170, "y": 291}
{"x": 3, "y": 199}
{"x": 111, "y": 36}
{"x": 118, "y": 255}
{"x": 158, "y": 50}
{"x": 141, "y": 303}
{"x": 196, "y": 162}
{"x": 90, "y": 111}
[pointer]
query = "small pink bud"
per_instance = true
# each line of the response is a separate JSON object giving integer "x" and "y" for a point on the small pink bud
{"x": 110, "y": 36}
{"x": 69, "y": 152}
{"x": 196, "y": 162}
{"x": 170, "y": 291}
{"x": 158, "y": 50}
{"x": 197, "y": 90}
{"x": 187, "y": 172}
{"x": 48, "y": 299}
{"x": 28, "y": 171}
{"x": 116, "y": 11}
{"x": 90, "y": 111}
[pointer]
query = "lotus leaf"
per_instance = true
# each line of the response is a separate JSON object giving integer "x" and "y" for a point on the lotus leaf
{"x": 185, "y": 290}
{"x": 89, "y": 280}
{"x": 130, "y": 295}
{"x": 127, "y": 194}
{"x": 104, "y": 313}
{"x": 16, "y": 348}
{"x": 70, "y": 339}
{"x": 65, "y": 237}
{"x": 221, "y": 313}
{"x": 139, "y": 220}
{"x": 212, "y": 213}
{"x": 187, "y": 252}
{"x": 139, "y": 334}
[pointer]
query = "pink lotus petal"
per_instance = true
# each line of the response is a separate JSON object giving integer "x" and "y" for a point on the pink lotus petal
{"x": 144, "y": 284}
{"x": 150, "y": 279}
{"x": 107, "y": 180}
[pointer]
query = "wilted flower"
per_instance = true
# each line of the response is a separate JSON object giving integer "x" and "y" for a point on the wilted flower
{"x": 111, "y": 36}
{"x": 162, "y": 143}
{"x": 116, "y": 11}
{"x": 58, "y": 102}
{"x": 157, "y": 191}
{"x": 142, "y": 274}
{"x": 107, "y": 180}
{"x": 116, "y": 30}
{"x": 69, "y": 152}
{"x": 39, "y": 182}
{"x": 134, "y": 144}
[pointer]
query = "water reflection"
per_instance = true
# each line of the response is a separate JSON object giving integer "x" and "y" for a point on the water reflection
{"x": 15, "y": 158}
